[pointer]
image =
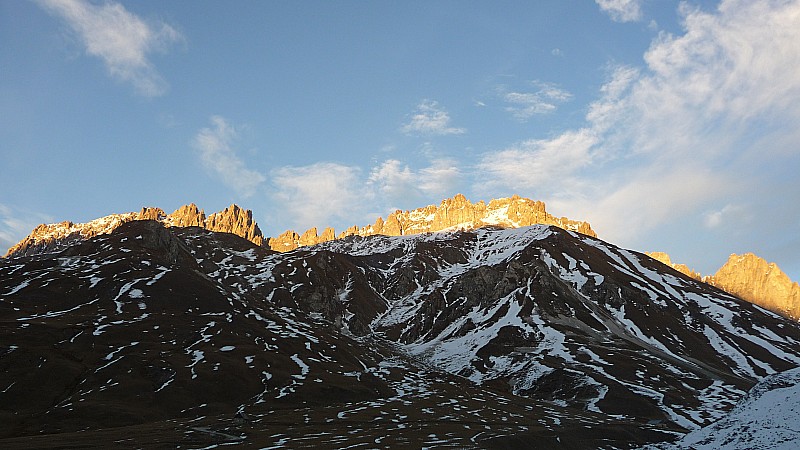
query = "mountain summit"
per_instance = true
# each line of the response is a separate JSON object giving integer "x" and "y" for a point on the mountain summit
{"x": 455, "y": 213}
{"x": 750, "y": 278}
{"x": 48, "y": 238}
{"x": 452, "y": 213}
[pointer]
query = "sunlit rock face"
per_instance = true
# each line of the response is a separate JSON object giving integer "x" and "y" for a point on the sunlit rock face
{"x": 187, "y": 216}
{"x": 755, "y": 280}
{"x": 238, "y": 221}
{"x": 48, "y": 238}
{"x": 456, "y": 213}
{"x": 750, "y": 278}
{"x": 452, "y": 213}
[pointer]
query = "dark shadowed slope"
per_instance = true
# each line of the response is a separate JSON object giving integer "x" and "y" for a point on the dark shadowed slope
{"x": 492, "y": 338}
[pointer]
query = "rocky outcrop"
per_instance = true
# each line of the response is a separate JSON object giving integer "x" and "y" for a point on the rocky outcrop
{"x": 456, "y": 213}
{"x": 148, "y": 213}
{"x": 682, "y": 268}
{"x": 47, "y": 238}
{"x": 57, "y": 236}
{"x": 238, "y": 221}
{"x": 754, "y": 279}
{"x": 285, "y": 242}
{"x": 187, "y": 216}
{"x": 750, "y": 278}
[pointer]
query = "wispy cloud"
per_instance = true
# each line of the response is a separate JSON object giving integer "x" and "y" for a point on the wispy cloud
{"x": 214, "y": 146}
{"x": 539, "y": 165}
{"x": 707, "y": 122}
{"x": 728, "y": 213}
{"x": 16, "y": 223}
{"x": 327, "y": 193}
{"x": 524, "y": 105}
{"x": 396, "y": 182}
{"x": 122, "y": 40}
{"x": 430, "y": 119}
{"x": 317, "y": 194}
{"x": 621, "y": 10}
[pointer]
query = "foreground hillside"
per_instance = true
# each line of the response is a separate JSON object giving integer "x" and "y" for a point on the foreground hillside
{"x": 536, "y": 336}
{"x": 764, "y": 419}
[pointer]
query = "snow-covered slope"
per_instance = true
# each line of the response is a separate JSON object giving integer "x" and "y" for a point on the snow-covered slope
{"x": 567, "y": 318}
{"x": 764, "y": 419}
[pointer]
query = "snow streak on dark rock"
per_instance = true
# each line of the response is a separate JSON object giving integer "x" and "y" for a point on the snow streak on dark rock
{"x": 488, "y": 338}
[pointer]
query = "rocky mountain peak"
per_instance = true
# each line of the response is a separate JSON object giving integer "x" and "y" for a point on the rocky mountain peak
{"x": 148, "y": 213}
{"x": 238, "y": 221}
{"x": 456, "y": 213}
{"x": 47, "y": 238}
{"x": 750, "y": 278}
{"x": 754, "y": 279}
{"x": 57, "y": 236}
{"x": 682, "y": 268}
{"x": 187, "y": 216}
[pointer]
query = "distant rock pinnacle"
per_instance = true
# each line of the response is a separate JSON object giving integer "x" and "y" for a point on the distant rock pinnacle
{"x": 682, "y": 268}
{"x": 750, "y": 278}
{"x": 237, "y": 221}
{"x": 753, "y": 279}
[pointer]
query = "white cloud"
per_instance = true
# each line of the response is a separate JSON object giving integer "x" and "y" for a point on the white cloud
{"x": 646, "y": 199}
{"x": 16, "y": 223}
{"x": 119, "y": 38}
{"x": 396, "y": 182}
{"x": 728, "y": 213}
{"x": 621, "y": 10}
{"x": 524, "y": 105}
{"x": 430, "y": 119}
{"x": 217, "y": 155}
{"x": 708, "y": 120}
{"x": 538, "y": 165}
{"x": 317, "y": 194}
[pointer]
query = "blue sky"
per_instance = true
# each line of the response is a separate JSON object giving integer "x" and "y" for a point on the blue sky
{"x": 667, "y": 125}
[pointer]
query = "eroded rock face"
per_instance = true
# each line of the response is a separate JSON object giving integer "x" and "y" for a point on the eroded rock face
{"x": 757, "y": 281}
{"x": 238, "y": 221}
{"x": 187, "y": 216}
{"x": 47, "y": 238}
{"x": 750, "y": 278}
{"x": 149, "y": 213}
{"x": 57, "y": 236}
{"x": 456, "y": 213}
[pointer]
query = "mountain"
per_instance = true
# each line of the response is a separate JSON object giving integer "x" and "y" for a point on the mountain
{"x": 452, "y": 213}
{"x": 750, "y": 278}
{"x": 682, "y": 268}
{"x": 158, "y": 334}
